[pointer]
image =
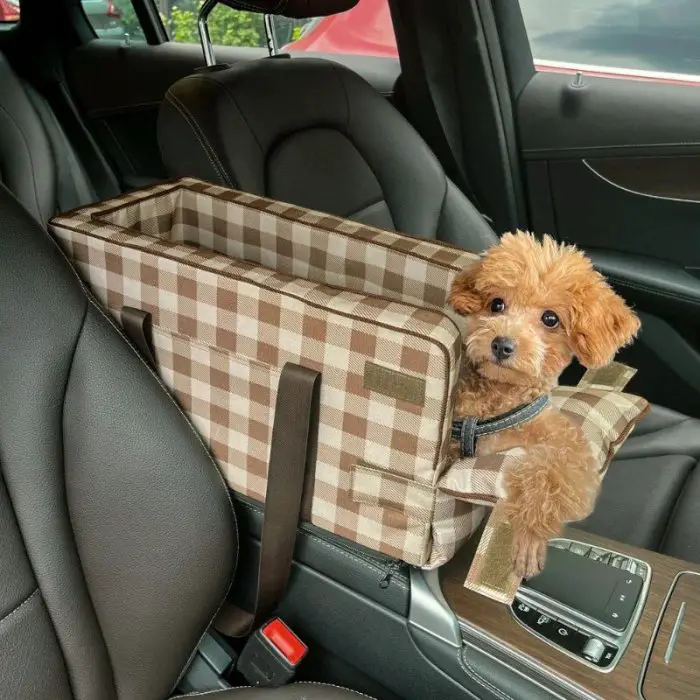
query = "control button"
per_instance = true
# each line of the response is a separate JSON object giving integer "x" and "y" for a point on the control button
{"x": 593, "y": 650}
{"x": 560, "y": 544}
{"x": 525, "y": 612}
{"x": 623, "y": 601}
{"x": 580, "y": 549}
{"x": 632, "y": 567}
{"x": 605, "y": 558}
{"x": 608, "y": 656}
{"x": 595, "y": 554}
{"x": 616, "y": 561}
{"x": 567, "y": 637}
{"x": 626, "y": 563}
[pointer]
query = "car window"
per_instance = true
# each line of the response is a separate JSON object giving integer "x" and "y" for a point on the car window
{"x": 227, "y": 27}
{"x": 365, "y": 29}
{"x": 623, "y": 35}
{"x": 9, "y": 13}
{"x": 111, "y": 19}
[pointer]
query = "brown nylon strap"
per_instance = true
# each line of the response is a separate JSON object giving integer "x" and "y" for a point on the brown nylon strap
{"x": 292, "y": 438}
{"x": 137, "y": 326}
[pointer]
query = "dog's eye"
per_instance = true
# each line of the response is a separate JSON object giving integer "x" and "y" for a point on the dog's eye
{"x": 550, "y": 319}
{"x": 498, "y": 306}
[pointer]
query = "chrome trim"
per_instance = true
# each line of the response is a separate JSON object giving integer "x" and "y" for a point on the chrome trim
{"x": 674, "y": 634}
{"x": 636, "y": 193}
{"x": 657, "y": 627}
{"x": 203, "y": 27}
{"x": 626, "y": 72}
{"x": 428, "y": 610}
{"x": 578, "y": 620}
{"x": 272, "y": 45}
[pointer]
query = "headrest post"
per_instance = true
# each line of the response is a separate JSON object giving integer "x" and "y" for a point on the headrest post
{"x": 203, "y": 26}
{"x": 272, "y": 45}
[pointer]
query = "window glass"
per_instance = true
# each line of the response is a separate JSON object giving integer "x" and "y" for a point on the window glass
{"x": 637, "y": 35}
{"x": 113, "y": 19}
{"x": 365, "y": 29}
{"x": 9, "y": 13}
{"x": 227, "y": 27}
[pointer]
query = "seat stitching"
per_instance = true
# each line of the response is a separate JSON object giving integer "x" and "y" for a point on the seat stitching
{"x": 233, "y": 100}
{"x": 201, "y": 138}
{"x": 651, "y": 290}
{"x": 198, "y": 437}
{"x": 337, "y": 687}
{"x": 249, "y": 687}
{"x": 29, "y": 155}
{"x": 480, "y": 680}
{"x": 13, "y": 612}
{"x": 209, "y": 150}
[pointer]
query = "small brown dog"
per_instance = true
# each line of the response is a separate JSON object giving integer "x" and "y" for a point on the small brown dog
{"x": 529, "y": 308}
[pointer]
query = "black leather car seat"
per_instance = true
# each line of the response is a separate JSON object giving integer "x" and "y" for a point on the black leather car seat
{"x": 311, "y": 132}
{"x": 37, "y": 161}
{"x": 117, "y": 536}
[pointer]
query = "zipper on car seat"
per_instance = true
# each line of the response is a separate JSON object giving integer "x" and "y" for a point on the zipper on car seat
{"x": 393, "y": 568}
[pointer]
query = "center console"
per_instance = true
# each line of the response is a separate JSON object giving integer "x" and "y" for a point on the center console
{"x": 603, "y": 620}
{"x": 586, "y": 603}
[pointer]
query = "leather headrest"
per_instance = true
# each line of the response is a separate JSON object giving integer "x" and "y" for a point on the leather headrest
{"x": 297, "y": 9}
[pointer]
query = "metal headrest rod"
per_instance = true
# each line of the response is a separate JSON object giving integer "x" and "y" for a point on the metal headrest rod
{"x": 203, "y": 27}
{"x": 205, "y": 38}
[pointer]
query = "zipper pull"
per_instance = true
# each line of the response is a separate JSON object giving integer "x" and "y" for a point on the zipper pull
{"x": 391, "y": 570}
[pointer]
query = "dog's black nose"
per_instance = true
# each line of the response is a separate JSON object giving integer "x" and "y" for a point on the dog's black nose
{"x": 502, "y": 348}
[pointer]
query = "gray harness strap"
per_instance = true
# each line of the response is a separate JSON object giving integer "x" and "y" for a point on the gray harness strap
{"x": 467, "y": 430}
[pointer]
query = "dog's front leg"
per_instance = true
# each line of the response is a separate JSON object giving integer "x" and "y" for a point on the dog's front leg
{"x": 557, "y": 483}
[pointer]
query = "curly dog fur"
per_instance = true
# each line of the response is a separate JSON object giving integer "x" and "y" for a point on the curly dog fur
{"x": 548, "y": 302}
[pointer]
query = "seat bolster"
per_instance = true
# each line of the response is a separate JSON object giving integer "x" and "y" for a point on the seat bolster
{"x": 295, "y": 691}
{"x": 26, "y": 158}
{"x": 663, "y": 432}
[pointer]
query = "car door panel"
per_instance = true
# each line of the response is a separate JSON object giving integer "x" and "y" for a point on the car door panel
{"x": 614, "y": 167}
{"x": 606, "y": 116}
{"x": 122, "y": 111}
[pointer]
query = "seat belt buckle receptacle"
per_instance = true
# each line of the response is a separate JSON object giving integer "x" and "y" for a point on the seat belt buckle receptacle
{"x": 271, "y": 656}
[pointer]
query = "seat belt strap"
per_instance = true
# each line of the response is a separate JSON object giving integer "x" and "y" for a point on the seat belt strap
{"x": 137, "y": 326}
{"x": 289, "y": 480}
{"x": 292, "y": 435}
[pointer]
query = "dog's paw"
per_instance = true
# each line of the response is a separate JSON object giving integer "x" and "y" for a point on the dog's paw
{"x": 529, "y": 554}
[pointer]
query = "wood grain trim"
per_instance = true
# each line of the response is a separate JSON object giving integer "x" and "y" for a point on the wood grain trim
{"x": 495, "y": 619}
{"x": 667, "y": 177}
{"x": 673, "y": 670}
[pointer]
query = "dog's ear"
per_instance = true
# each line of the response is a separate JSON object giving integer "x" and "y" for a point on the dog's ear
{"x": 601, "y": 324}
{"x": 463, "y": 297}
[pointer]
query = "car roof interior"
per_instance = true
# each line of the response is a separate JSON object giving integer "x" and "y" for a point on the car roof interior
{"x": 449, "y": 142}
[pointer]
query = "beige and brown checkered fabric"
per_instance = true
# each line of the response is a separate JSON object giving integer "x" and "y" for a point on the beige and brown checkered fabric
{"x": 240, "y": 285}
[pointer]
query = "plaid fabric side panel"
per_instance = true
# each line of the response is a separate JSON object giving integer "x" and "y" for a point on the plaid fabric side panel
{"x": 292, "y": 240}
{"x": 452, "y": 524}
{"x": 222, "y": 331}
{"x": 606, "y": 417}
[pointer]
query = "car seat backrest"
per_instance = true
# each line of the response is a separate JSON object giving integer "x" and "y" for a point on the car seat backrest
{"x": 314, "y": 133}
{"x": 117, "y": 541}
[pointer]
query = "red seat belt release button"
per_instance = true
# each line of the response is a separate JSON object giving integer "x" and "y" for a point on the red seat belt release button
{"x": 284, "y": 641}
{"x": 271, "y": 656}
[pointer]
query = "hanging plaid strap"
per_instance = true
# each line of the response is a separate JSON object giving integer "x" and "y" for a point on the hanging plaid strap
{"x": 467, "y": 430}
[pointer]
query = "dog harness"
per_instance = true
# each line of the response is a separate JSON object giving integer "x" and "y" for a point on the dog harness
{"x": 468, "y": 429}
